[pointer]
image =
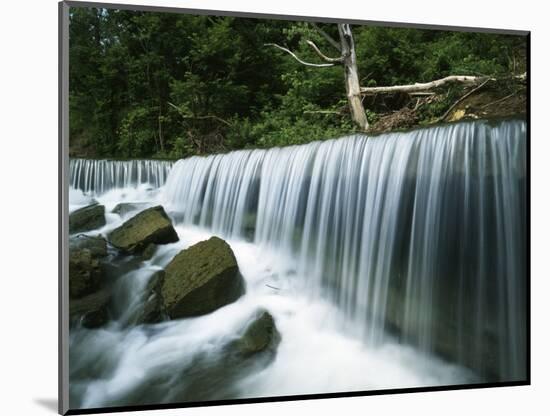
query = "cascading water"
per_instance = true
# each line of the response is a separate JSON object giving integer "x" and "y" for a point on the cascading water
{"x": 385, "y": 253}
{"x": 100, "y": 176}
{"x": 421, "y": 232}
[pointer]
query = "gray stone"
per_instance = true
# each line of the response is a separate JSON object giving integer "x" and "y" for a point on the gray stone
{"x": 150, "y": 226}
{"x": 87, "y": 219}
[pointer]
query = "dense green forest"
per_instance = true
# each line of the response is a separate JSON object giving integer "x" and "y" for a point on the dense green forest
{"x": 166, "y": 85}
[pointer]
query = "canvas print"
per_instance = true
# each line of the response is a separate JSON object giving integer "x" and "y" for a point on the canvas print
{"x": 277, "y": 207}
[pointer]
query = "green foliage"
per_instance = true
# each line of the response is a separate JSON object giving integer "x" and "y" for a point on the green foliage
{"x": 174, "y": 85}
{"x": 134, "y": 135}
{"x": 389, "y": 56}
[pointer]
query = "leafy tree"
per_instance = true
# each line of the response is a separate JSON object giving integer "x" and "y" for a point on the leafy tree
{"x": 165, "y": 85}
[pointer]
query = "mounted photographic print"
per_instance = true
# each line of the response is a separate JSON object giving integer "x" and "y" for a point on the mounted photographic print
{"x": 262, "y": 208}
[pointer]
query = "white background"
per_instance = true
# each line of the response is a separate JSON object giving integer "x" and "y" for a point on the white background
{"x": 28, "y": 186}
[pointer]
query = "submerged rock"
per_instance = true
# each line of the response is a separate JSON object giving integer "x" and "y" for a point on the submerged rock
{"x": 260, "y": 335}
{"x": 213, "y": 373}
{"x": 87, "y": 219}
{"x": 201, "y": 279}
{"x": 125, "y": 208}
{"x": 150, "y": 226}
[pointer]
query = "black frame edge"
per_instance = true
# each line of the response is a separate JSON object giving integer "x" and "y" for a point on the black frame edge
{"x": 213, "y": 403}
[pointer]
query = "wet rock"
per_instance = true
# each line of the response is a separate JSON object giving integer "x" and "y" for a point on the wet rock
{"x": 90, "y": 310}
{"x": 96, "y": 245}
{"x": 87, "y": 281}
{"x": 150, "y": 226}
{"x": 153, "y": 311}
{"x": 201, "y": 279}
{"x": 85, "y": 273}
{"x": 125, "y": 208}
{"x": 95, "y": 318}
{"x": 87, "y": 219}
{"x": 215, "y": 374}
{"x": 149, "y": 251}
{"x": 260, "y": 335}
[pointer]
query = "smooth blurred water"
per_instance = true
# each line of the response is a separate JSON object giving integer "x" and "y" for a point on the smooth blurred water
{"x": 99, "y": 176}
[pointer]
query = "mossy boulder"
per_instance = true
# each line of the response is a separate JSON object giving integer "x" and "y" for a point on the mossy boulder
{"x": 87, "y": 219}
{"x": 201, "y": 279}
{"x": 88, "y": 296}
{"x": 260, "y": 335}
{"x": 151, "y": 226}
{"x": 85, "y": 273}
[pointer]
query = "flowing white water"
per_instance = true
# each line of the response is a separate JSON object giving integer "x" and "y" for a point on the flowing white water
{"x": 99, "y": 176}
{"x": 385, "y": 250}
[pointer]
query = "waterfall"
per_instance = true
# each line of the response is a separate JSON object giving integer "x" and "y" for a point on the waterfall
{"x": 420, "y": 233}
{"x": 100, "y": 176}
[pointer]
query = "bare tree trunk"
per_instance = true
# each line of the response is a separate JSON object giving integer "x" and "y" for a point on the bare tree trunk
{"x": 348, "y": 60}
{"x": 353, "y": 88}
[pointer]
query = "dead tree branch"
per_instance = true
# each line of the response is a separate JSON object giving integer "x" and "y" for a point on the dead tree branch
{"x": 296, "y": 57}
{"x": 444, "y": 116}
{"x": 322, "y": 55}
{"x": 422, "y": 87}
{"x": 499, "y": 100}
{"x": 322, "y": 112}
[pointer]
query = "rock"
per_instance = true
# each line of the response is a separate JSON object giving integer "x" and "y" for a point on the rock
{"x": 125, "y": 208}
{"x": 201, "y": 279}
{"x": 95, "y": 318}
{"x": 97, "y": 245}
{"x": 216, "y": 374}
{"x": 86, "y": 281}
{"x": 91, "y": 310}
{"x": 87, "y": 218}
{"x": 149, "y": 252}
{"x": 85, "y": 273}
{"x": 149, "y": 226}
{"x": 260, "y": 335}
{"x": 152, "y": 308}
